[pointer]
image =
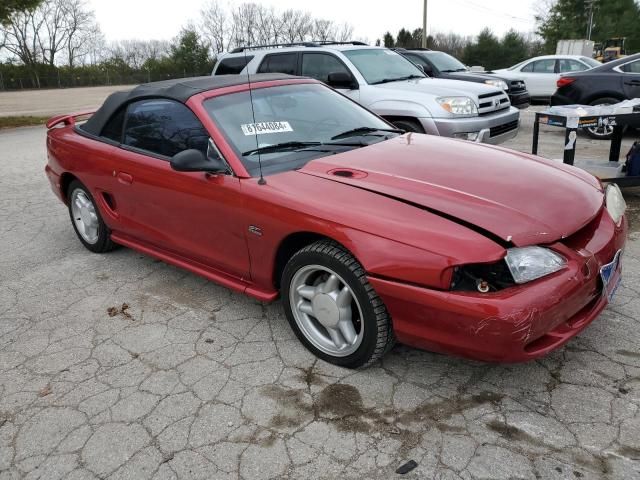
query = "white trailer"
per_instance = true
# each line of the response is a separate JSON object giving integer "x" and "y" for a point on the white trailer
{"x": 575, "y": 47}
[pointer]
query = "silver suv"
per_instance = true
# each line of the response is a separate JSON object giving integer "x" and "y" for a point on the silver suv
{"x": 389, "y": 85}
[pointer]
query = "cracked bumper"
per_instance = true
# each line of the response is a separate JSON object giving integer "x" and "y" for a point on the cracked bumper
{"x": 517, "y": 324}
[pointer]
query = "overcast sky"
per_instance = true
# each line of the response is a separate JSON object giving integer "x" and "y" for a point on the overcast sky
{"x": 147, "y": 19}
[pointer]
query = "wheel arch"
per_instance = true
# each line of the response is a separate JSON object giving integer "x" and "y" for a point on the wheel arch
{"x": 603, "y": 95}
{"x": 65, "y": 180}
{"x": 291, "y": 244}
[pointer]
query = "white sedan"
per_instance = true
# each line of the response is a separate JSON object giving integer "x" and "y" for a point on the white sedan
{"x": 541, "y": 74}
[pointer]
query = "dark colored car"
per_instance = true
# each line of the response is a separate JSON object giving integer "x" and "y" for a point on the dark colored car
{"x": 442, "y": 65}
{"x": 610, "y": 83}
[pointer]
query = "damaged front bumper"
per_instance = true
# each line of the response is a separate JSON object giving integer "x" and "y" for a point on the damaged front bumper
{"x": 517, "y": 324}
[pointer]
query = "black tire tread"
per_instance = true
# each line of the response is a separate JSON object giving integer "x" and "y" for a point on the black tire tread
{"x": 104, "y": 244}
{"x": 385, "y": 338}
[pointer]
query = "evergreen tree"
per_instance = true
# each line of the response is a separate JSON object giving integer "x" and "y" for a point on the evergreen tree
{"x": 485, "y": 52}
{"x": 388, "y": 40}
{"x": 9, "y": 7}
{"x": 190, "y": 55}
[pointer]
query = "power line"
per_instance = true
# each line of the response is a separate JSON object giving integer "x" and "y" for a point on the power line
{"x": 501, "y": 13}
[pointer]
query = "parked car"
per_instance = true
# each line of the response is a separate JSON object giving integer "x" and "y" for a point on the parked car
{"x": 606, "y": 84}
{"x": 542, "y": 73}
{"x": 285, "y": 187}
{"x": 442, "y": 65}
{"x": 389, "y": 85}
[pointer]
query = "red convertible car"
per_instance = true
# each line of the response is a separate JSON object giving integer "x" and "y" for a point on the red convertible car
{"x": 283, "y": 187}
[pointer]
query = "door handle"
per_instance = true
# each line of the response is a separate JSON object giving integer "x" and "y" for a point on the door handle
{"x": 633, "y": 82}
{"x": 124, "y": 178}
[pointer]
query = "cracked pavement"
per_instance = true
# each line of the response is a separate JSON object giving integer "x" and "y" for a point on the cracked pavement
{"x": 120, "y": 366}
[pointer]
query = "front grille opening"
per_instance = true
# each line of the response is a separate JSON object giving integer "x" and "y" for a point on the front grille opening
{"x": 502, "y": 129}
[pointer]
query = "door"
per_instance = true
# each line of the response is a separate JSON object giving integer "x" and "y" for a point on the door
{"x": 320, "y": 65}
{"x": 191, "y": 214}
{"x": 541, "y": 77}
{"x": 631, "y": 79}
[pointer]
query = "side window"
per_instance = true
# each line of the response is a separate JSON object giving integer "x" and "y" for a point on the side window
{"x": 233, "y": 65}
{"x": 113, "y": 128}
{"x": 541, "y": 66}
{"x": 320, "y": 65}
{"x": 418, "y": 60}
{"x": 279, "y": 63}
{"x": 164, "y": 127}
{"x": 568, "y": 65}
{"x": 633, "y": 67}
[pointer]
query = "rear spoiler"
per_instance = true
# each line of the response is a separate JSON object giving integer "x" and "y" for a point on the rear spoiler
{"x": 68, "y": 119}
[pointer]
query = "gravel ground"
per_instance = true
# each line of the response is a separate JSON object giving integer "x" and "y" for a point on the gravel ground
{"x": 119, "y": 366}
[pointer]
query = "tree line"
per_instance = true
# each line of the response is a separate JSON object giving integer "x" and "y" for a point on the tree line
{"x": 485, "y": 50}
{"x": 53, "y": 43}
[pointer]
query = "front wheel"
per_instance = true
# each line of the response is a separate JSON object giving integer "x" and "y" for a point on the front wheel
{"x": 333, "y": 309}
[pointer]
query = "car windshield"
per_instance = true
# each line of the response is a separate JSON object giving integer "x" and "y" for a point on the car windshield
{"x": 592, "y": 62}
{"x": 445, "y": 62}
{"x": 378, "y": 65}
{"x": 293, "y": 125}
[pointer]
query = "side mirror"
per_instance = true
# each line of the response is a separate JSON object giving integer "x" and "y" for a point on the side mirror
{"x": 193, "y": 160}
{"x": 341, "y": 80}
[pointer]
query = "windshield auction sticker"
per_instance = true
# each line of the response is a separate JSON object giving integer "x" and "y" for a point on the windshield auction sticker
{"x": 262, "y": 128}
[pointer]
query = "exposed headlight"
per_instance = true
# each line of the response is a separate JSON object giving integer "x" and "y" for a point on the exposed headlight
{"x": 458, "y": 105}
{"x": 529, "y": 263}
{"x": 616, "y": 206}
{"x": 501, "y": 84}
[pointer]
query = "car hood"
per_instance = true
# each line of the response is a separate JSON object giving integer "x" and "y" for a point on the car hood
{"x": 440, "y": 87}
{"x": 508, "y": 196}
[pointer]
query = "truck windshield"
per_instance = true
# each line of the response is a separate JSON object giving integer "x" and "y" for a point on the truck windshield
{"x": 378, "y": 65}
{"x": 293, "y": 124}
{"x": 445, "y": 62}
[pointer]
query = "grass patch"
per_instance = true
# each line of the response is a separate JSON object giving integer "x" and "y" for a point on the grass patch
{"x": 22, "y": 121}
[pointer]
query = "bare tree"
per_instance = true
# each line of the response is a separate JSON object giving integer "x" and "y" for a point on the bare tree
{"x": 215, "y": 26}
{"x": 323, "y": 30}
{"x": 80, "y": 27}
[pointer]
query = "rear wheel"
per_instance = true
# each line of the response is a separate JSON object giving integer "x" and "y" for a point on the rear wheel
{"x": 604, "y": 132}
{"x": 333, "y": 309}
{"x": 408, "y": 126}
{"x": 86, "y": 219}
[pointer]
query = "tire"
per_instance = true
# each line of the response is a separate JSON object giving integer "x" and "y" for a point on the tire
{"x": 82, "y": 206}
{"x": 593, "y": 132}
{"x": 310, "y": 271}
{"x": 408, "y": 126}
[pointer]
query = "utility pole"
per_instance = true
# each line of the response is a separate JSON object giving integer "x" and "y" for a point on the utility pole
{"x": 424, "y": 25}
{"x": 589, "y": 5}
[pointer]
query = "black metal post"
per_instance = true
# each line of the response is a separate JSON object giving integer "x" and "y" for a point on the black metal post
{"x": 570, "y": 136}
{"x": 616, "y": 144}
{"x": 536, "y": 134}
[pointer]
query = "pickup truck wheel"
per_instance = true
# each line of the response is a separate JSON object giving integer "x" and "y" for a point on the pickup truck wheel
{"x": 605, "y": 132}
{"x": 409, "y": 126}
{"x": 333, "y": 309}
{"x": 86, "y": 219}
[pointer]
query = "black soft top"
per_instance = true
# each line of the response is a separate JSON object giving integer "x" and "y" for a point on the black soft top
{"x": 181, "y": 90}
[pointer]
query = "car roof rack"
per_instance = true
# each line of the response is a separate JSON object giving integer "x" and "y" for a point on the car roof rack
{"x": 313, "y": 43}
{"x": 403, "y": 49}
